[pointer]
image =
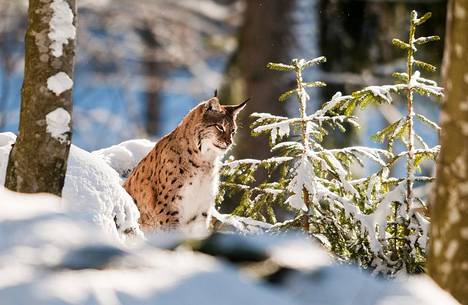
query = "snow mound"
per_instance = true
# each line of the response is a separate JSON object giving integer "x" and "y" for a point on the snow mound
{"x": 36, "y": 229}
{"x": 20, "y": 206}
{"x": 125, "y": 156}
{"x": 92, "y": 191}
{"x": 341, "y": 285}
{"x": 49, "y": 256}
{"x": 53, "y": 258}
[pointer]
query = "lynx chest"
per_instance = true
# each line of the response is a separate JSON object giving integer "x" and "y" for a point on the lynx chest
{"x": 198, "y": 197}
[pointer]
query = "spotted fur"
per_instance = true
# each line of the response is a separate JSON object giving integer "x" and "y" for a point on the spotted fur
{"x": 175, "y": 185}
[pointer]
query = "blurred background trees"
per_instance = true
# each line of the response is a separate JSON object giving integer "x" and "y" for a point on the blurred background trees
{"x": 141, "y": 65}
{"x": 137, "y": 62}
{"x": 266, "y": 35}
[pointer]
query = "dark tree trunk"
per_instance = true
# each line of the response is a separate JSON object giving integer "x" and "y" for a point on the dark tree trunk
{"x": 266, "y": 36}
{"x": 154, "y": 72}
{"x": 153, "y": 85}
{"x": 38, "y": 161}
{"x": 448, "y": 253}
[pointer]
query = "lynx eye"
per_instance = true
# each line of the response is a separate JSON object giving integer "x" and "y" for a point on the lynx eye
{"x": 220, "y": 128}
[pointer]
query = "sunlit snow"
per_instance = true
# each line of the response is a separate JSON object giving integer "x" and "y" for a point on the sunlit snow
{"x": 59, "y": 83}
{"x": 61, "y": 26}
{"x": 58, "y": 124}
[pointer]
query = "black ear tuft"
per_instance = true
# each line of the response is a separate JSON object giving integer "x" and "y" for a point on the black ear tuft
{"x": 216, "y": 93}
{"x": 234, "y": 110}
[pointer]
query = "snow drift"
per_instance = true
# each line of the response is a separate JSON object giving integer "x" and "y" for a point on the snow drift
{"x": 125, "y": 156}
{"x": 92, "y": 190}
{"x": 49, "y": 256}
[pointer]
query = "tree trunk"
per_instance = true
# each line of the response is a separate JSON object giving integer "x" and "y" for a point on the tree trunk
{"x": 38, "y": 161}
{"x": 266, "y": 36}
{"x": 448, "y": 259}
{"x": 154, "y": 72}
{"x": 153, "y": 85}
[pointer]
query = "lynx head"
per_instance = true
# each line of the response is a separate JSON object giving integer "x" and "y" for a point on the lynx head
{"x": 218, "y": 125}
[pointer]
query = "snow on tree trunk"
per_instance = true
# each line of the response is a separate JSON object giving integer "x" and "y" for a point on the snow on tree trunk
{"x": 38, "y": 161}
{"x": 448, "y": 260}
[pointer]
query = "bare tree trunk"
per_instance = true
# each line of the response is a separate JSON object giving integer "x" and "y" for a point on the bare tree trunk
{"x": 38, "y": 161}
{"x": 154, "y": 72}
{"x": 448, "y": 253}
{"x": 153, "y": 86}
{"x": 266, "y": 36}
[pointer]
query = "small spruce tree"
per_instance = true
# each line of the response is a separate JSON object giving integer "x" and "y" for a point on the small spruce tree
{"x": 376, "y": 221}
{"x": 315, "y": 183}
{"x": 407, "y": 226}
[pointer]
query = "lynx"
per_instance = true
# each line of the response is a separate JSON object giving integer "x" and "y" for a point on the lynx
{"x": 175, "y": 185}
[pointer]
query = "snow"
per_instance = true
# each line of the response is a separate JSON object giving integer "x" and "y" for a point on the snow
{"x": 92, "y": 191}
{"x": 349, "y": 286}
{"x": 374, "y": 154}
{"x": 6, "y": 140}
{"x": 299, "y": 254}
{"x": 48, "y": 256}
{"x": 384, "y": 91}
{"x": 61, "y": 26}
{"x": 289, "y": 145}
{"x": 336, "y": 99}
{"x": 340, "y": 171}
{"x": 51, "y": 253}
{"x": 23, "y": 206}
{"x": 303, "y": 178}
{"x": 125, "y": 156}
{"x": 58, "y": 124}
{"x": 278, "y": 130}
{"x": 279, "y": 126}
{"x": 379, "y": 217}
{"x": 277, "y": 160}
{"x": 59, "y": 83}
{"x": 283, "y": 131}
{"x": 239, "y": 224}
{"x": 266, "y": 116}
{"x": 418, "y": 82}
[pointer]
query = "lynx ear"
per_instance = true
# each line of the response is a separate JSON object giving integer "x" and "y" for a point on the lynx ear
{"x": 234, "y": 110}
{"x": 212, "y": 105}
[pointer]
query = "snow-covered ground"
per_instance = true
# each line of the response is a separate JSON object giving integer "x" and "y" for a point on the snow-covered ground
{"x": 49, "y": 256}
{"x": 70, "y": 251}
{"x": 92, "y": 190}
